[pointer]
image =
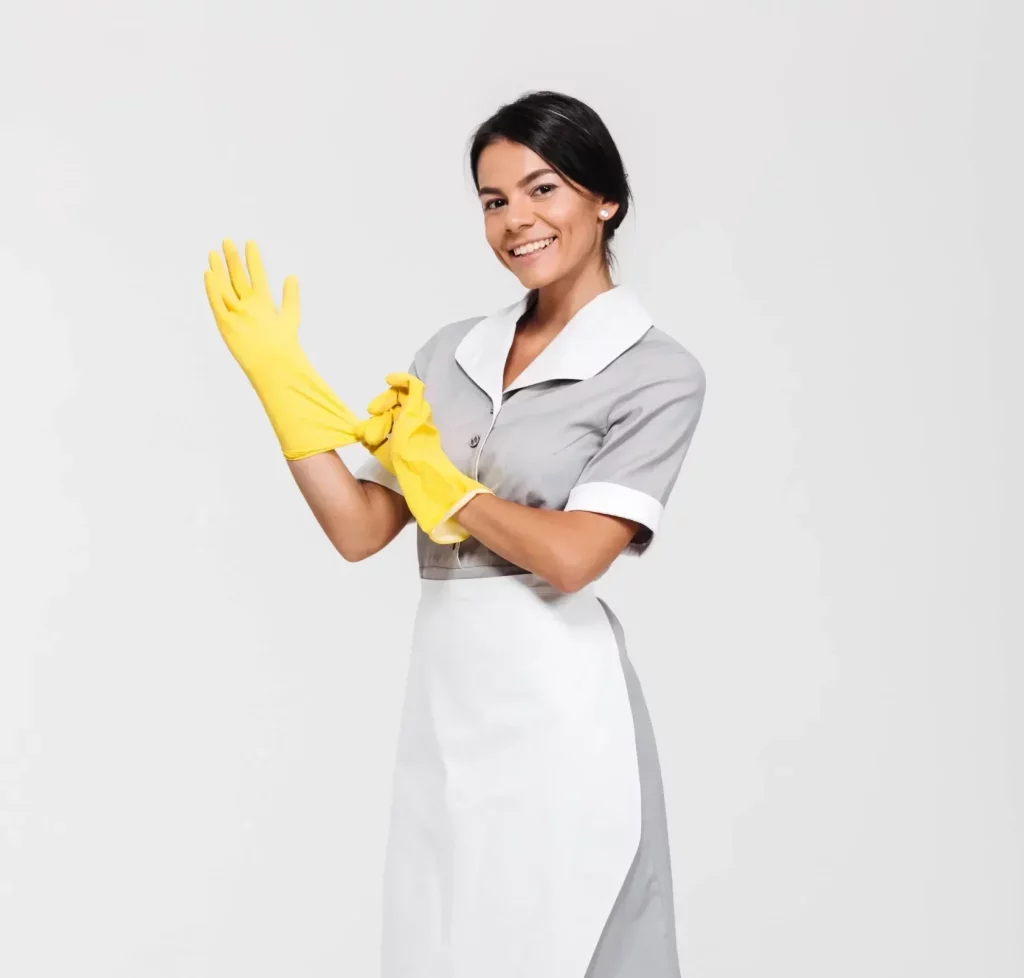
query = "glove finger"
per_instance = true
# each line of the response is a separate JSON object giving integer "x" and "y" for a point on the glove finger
{"x": 213, "y": 293}
{"x": 220, "y": 273}
{"x": 373, "y": 431}
{"x": 257, "y": 274}
{"x": 239, "y": 279}
{"x": 399, "y": 379}
{"x": 410, "y": 389}
{"x": 220, "y": 282}
{"x": 383, "y": 403}
{"x": 414, "y": 399}
{"x": 290, "y": 298}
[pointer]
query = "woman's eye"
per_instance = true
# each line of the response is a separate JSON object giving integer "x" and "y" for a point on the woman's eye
{"x": 493, "y": 203}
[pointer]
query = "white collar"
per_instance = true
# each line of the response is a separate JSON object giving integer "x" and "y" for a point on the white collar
{"x": 607, "y": 326}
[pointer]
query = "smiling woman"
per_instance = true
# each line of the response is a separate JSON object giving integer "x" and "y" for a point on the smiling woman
{"x": 573, "y": 170}
{"x": 533, "y": 446}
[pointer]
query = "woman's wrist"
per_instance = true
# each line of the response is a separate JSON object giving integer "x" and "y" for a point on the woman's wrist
{"x": 533, "y": 539}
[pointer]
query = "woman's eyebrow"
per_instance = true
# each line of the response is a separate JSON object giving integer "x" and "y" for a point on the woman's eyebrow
{"x": 521, "y": 183}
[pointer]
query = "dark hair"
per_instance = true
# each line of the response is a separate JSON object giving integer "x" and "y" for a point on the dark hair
{"x": 571, "y": 138}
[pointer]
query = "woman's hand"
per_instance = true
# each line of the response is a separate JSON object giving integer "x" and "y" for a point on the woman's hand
{"x": 434, "y": 488}
{"x": 255, "y": 331}
{"x": 305, "y": 413}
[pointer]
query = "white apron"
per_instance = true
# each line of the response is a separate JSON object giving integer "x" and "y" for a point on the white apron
{"x": 516, "y": 801}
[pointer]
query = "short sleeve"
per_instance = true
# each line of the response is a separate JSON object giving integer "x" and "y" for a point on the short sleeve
{"x": 649, "y": 431}
{"x": 372, "y": 471}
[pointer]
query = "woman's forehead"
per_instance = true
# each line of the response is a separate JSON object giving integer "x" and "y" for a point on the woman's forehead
{"x": 505, "y": 161}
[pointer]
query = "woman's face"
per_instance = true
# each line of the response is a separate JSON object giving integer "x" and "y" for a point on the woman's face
{"x": 525, "y": 202}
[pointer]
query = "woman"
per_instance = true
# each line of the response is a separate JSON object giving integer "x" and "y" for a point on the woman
{"x": 533, "y": 446}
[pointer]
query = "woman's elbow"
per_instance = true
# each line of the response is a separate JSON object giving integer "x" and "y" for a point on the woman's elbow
{"x": 355, "y": 549}
{"x": 350, "y": 551}
{"x": 570, "y": 585}
{"x": 573, "y": 574}
{"x": 582, "y": 559}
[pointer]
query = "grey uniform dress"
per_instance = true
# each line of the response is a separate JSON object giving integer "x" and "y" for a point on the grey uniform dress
{"x": 528, "y": 835}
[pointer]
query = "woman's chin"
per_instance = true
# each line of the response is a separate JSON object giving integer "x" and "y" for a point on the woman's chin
{"x": 538, "y": 269}
{"x": 536, "y": 278}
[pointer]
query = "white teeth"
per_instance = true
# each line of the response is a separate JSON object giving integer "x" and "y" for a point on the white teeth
{"x": 535, "y": 246}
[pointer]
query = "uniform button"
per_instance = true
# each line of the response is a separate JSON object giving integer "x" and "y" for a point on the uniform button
{"x": 474, "y": 441}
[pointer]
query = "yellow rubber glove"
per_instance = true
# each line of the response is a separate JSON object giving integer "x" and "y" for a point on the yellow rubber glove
{"x": 305, "y": 414}
{"x": 434, "y": 489}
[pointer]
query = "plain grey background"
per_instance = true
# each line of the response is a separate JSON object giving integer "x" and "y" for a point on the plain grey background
{"x": 199, "y": 699}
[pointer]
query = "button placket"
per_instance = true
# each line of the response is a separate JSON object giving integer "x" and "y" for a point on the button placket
{"x": 478, "y": 443}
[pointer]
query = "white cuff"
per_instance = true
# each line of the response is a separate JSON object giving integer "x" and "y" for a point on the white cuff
{"x": 614, "y": 500}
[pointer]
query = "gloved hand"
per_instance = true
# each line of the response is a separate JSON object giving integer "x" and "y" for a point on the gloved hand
{"x": 434, "y": 489}
{"x": 305, "y": 414}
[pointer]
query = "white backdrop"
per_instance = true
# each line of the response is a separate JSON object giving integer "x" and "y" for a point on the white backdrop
{"x": 199, "y": 699}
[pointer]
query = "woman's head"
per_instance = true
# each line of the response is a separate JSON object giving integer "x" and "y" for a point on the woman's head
{"x": 547, "y": 169}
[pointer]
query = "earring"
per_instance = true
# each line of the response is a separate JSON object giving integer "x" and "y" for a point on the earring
{"x": 604, "y": 213}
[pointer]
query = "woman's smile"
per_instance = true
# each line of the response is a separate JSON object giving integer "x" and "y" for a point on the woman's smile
{"x": 531, "y": 252}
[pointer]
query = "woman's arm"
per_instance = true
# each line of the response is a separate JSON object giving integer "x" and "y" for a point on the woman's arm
{"x": 359, "y": 518}
{"x": 568, "y": 550}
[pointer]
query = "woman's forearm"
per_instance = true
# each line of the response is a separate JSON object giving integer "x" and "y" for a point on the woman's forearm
{"x": 568, "y": 550}
{"x": 359, "y": 518}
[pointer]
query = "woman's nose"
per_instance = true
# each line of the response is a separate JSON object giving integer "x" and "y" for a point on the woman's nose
{"x": 518, "y": 215}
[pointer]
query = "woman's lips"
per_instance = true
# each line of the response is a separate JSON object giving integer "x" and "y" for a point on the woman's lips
{"x": 533, "y": 255}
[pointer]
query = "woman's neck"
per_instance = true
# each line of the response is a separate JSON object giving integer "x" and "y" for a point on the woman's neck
{"x": 557, "y": 303}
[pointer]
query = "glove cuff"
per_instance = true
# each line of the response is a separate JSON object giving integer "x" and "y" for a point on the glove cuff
{"x": 306, "y": 415}
{"x": 447, "y": 529}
